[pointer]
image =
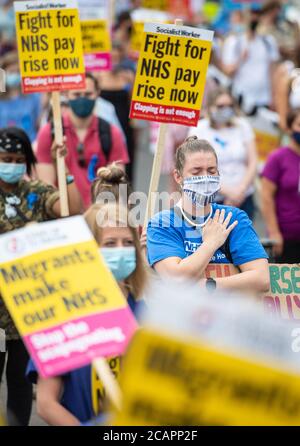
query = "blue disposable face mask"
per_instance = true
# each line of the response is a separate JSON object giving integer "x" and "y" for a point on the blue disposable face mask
{"x": 13, "y": 80}
{"x": 12, "y": 173}
{"x": 121, "y": 261}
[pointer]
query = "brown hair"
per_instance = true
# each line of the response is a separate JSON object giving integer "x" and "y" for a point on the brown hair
{"x": 192, "y": 145}
{"x": 136, "y": 282}
{"x": 9, "y": 58}
{"x": 89, "y": 75}
{"x": 109, "y": 179}
{"x": 270, "y": 5}
{"x": 292, "y": 116}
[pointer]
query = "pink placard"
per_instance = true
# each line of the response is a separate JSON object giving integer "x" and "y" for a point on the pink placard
{"x": 75, "y": 344}
{"x": 97, "y": 62}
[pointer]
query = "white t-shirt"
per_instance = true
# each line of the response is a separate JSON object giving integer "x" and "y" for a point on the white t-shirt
{"x": 230, "y": 144}
{"x": 252, "y": 79}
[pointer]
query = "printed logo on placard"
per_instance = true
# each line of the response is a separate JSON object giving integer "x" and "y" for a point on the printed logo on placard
{"x": 15, "y": 245}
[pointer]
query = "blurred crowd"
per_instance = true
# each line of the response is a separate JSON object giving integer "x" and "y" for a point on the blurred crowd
{"x": 248, "y": 135}
{"x": 253, "y": 83}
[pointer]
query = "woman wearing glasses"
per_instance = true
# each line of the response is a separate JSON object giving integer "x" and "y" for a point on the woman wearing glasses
{"x": 234, "y": 142}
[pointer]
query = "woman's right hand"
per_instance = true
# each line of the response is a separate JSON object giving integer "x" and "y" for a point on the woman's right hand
{"x": 217, "y": 229}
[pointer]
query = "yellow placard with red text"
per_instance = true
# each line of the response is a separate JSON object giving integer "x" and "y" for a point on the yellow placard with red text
{"x": 49, "y": 46}
{"x": 171, "y": 74}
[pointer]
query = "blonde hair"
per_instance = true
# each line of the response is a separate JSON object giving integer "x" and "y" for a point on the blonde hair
{"x": 191, "y": 145}
{"x": 99, "y": 216}
{"x": 109, "y": 179}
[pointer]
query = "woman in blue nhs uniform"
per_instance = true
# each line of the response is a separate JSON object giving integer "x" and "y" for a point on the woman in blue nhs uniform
{"x": 184, "y": 240}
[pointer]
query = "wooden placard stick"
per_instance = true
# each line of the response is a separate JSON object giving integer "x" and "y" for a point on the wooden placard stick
{"x": 60, "y": 161}
{"x": 109, "y": 381}
{"x": 157, "y": 162}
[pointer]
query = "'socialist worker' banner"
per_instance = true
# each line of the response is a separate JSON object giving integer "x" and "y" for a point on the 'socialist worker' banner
{"x": 171, "y": 74}
{"x": 63, "y": 299}
{"x": 96, "y": 37}
{"x": 49, "y": 45}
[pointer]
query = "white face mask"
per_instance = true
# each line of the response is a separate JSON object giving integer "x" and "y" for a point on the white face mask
{"x": 201, "y": 190}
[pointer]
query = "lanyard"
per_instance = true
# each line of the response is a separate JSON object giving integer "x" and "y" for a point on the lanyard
{"x": 197, "y": 225}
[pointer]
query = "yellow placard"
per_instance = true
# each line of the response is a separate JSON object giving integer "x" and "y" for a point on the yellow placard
{"x": 171, "y": 74}
{"x": 97, "y": 387}
{"x": 266, "y": 143}
{"x": 57, "y": 285}
{"x": 136, "y": 36}
{"x": 95, "y": 36}
{"x": 63, "y": 299}
{"x": 49, "y": 45}
{"x": 2, "y": 421}
{"x": 190, "y": 384}
{"x": 161, "y": 5}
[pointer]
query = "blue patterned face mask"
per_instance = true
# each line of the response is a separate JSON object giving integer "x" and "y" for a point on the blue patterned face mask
{"x": 201, "y": 190}
{"x": 12, "y": 173}
{"x": 121, "y": 261}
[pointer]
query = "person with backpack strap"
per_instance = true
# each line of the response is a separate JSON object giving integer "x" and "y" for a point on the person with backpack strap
{"x": 91, "y": 141}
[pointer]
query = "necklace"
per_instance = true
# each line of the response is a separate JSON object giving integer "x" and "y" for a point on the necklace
{"x": 197, "y": 225}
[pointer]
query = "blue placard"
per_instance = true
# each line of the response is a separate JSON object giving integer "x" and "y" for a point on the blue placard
{"x": 233, "y": 5}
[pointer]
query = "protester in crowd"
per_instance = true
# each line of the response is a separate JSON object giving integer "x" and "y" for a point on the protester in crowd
{"x": 7, "y": 26}
{"x": 78, "y": 396}
{"x": 177, "y": 133}
{"x": 273, "y": 22}
{"x": 21, "y": 202}
{"x": 234, "y": 142}
{"x": 103, "y": 109}
{"x": 237, "y": 21}
{"x": 121, "y": 61}
{"x": 91, "y": 142}
{"x": 281, "y": 195}
{"x": 250, "y": 59}
{"x": 116, "y": 88}
{"x": 17, "y": 109}
{"x": 184, "y": 240}
{"x": 123, "y": 28}
{"x": 287, "y": 92}
{"x": 111, "y": 184}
